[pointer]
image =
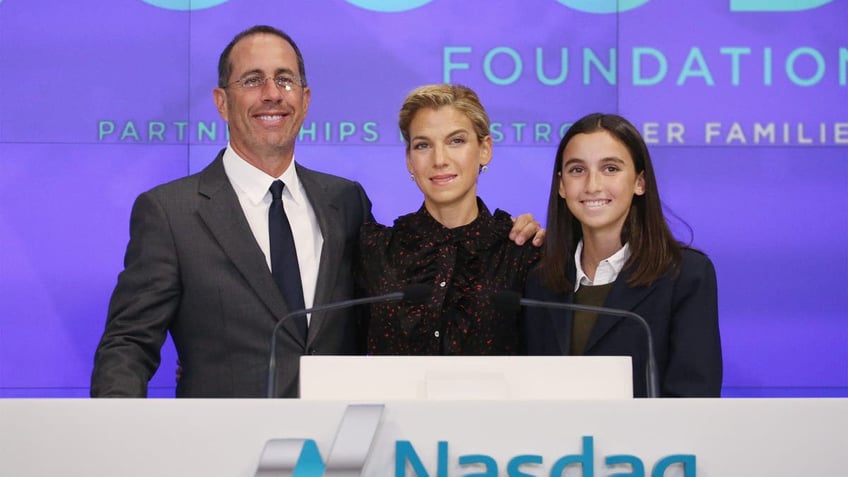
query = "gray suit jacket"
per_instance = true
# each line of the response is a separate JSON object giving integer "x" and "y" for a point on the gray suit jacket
{"x": 194, "y": 269}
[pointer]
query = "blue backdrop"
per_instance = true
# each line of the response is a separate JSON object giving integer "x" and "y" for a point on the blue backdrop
{"x": 744, "y": 104}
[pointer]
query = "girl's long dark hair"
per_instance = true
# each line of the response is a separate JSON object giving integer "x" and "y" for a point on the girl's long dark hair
{"x": 654, "y": 251}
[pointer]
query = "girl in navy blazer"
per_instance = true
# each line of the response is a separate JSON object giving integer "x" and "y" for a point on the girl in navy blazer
{"x": 608, "y": 244}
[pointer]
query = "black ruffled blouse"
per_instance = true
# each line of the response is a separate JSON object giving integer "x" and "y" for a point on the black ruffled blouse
{"x": 465, "y": 266}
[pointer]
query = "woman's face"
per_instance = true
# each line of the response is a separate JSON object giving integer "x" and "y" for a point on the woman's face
{"x": 598, "y": 181}
{"x": 445, "y": 156}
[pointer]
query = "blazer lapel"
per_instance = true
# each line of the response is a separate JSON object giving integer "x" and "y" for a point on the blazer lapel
{"x": 622, "y": 297}
{"x": 225, "y": 219}
{"x": 327, "y": 213}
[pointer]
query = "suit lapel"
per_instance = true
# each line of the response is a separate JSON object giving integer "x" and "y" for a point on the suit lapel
{"x": 327, "y": 213}
{"x": 224, "y": 217}
{"x": 622, "y": 297}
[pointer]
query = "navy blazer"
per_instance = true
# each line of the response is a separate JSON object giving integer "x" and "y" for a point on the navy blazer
{"x": 193, "y": 269}
{"x": 681, "y": 309}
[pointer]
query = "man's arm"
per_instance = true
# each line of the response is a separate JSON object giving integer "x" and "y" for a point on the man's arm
{"x": 143, "y": 304}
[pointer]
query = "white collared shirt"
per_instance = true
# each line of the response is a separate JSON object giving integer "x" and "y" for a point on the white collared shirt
{"x": 252, "y": 188}
{"x": 607, "y": 270}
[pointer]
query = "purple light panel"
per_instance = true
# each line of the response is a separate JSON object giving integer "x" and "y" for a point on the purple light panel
{"x": 748, "y": 127}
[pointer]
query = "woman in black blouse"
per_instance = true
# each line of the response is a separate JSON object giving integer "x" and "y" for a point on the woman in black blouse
{"x": 452, "y": 242}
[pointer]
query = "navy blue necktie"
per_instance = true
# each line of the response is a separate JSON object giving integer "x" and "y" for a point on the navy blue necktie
{"x": 284, "y": 266}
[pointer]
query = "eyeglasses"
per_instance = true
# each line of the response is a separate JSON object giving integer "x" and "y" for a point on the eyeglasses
{"x": 284, "y": 82}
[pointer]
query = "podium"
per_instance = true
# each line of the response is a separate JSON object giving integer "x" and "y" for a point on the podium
{"x": 356, "y": 378}
{"x": 386, "y": 416}
{"x": 586, "y": 438}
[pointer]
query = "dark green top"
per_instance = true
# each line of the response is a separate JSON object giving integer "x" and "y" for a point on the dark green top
{"x": 584, "y": 321}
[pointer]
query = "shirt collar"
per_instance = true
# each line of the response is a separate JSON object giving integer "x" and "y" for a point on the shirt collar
{"x": 255, "y": 183}
{"x": 419, "y": 230}
{"x": 607, "y": 271}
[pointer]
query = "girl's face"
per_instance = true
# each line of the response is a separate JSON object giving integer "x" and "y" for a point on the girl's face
{"x": 598, "y": 181}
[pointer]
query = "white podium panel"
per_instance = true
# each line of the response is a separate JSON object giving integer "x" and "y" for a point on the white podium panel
{"x": 235, "y": 438}
{"x": 465, "y": 377}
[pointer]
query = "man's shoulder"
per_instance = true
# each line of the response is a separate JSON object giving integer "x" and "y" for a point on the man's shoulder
{"x": 333, "y": 188}
{"x": 311, "y": 175}
{"x": 176, "y": 187}
{"x": 213, "y": 175}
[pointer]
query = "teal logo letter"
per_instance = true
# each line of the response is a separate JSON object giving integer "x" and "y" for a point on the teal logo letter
{"x": 603, "y": 6}
{"x": 775, "y": 5}
{"x": 389, "y": 5}
{"x": 184, "y": 4}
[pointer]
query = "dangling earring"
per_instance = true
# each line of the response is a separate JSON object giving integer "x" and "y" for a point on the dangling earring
{"x": 412, "y": 177}
{"x": 484, "y": 168}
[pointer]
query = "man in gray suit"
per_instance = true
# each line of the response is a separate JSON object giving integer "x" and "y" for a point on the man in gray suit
{"x": 198, "y": 264}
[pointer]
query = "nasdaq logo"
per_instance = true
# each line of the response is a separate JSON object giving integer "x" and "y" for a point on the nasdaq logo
{"x": 184, "y": 4}
{"x": 301, "y": 458}
{"x": 389, "y": 5}
{"x": 775, "y": 5}
{"x": 407, "y": 457}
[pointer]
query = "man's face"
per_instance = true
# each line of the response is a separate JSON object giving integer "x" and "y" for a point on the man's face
{"x": 263, "y": 121}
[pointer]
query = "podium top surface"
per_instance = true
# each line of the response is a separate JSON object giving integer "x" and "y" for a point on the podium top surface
{"x": 465, "y": 377}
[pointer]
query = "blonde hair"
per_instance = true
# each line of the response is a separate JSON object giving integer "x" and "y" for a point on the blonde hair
{"x": 436, "y": 96}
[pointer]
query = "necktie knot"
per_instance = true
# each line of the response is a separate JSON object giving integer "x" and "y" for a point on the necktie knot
{"x": 277, "y": 189}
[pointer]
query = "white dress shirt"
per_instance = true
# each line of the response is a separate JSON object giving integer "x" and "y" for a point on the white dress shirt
{"x": 252, "y": 188}
{"x": 607, "y": 270}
